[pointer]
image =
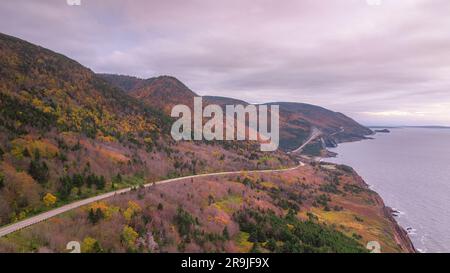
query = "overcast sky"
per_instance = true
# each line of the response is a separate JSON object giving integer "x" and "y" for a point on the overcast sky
{"x": 381, "y": 62}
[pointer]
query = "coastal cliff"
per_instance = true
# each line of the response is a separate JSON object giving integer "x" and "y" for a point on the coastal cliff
{"x": 400, "y": 235}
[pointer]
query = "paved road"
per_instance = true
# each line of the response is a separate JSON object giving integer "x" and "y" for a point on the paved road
{"x": 341, "y": 130}
{"x": 49, "y": 214}
{"x": 315, "y": 133}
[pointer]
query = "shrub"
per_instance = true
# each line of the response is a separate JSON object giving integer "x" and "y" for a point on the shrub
{"x": 49, "y": 199}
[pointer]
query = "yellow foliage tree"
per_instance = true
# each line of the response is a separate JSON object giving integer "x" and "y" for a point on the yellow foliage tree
{"x": 90, "y": 245}
{"x": 133, "y": 209}
{"x": 129, "y": 237}
{"x": 107, "y": 210}
{"x": 49, "y": 199}
{"x": 46, "y": 148}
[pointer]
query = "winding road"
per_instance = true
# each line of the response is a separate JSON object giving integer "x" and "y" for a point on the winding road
{"x": 315, "y": 133}
{"x": 54, "y": 212}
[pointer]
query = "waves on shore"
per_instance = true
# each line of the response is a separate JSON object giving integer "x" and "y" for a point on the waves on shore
{"x": 414, "y": 181}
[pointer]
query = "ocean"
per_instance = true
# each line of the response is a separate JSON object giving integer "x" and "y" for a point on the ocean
{"x": 410, "y": 169}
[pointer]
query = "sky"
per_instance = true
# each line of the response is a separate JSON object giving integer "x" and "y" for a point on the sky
{"x": 381, "y": 62}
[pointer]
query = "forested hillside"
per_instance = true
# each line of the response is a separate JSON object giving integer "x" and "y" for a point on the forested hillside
{"x": 297, "y": 120}
{"x": 66, "y": 133}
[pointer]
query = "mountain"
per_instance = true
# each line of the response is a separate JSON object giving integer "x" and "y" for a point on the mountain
{"x": 66, "y": 132}
{"x": 297, "y": 120}
{"x": 60, "y": 92}
{"x": 222, "y": 101}
{"x": 125, "y": 83}
{"x": 327, "y": 121}
{"x": 161, "y": 92}
{"x": 63, "y": 130}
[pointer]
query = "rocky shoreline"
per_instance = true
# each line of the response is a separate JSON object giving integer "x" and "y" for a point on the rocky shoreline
{"x": 401, "y": 235}
{"x": 403, "y": 238}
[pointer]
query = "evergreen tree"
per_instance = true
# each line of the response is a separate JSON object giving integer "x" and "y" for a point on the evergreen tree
{"x": 101, "y": 182}
{"x": 99, "y": 214}
{"x": 92, "y": 217}
{"x": 39, "y": 171}
{"x": 2, "y": 181}
{"x": 95, "y": 216}
{"x": 65, "y": 187}
{"x": 225, "y": 233}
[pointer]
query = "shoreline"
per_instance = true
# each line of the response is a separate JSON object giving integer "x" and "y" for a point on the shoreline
{"x": 402, "y": 237}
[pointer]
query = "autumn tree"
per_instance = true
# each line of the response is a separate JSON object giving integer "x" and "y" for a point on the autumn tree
{"x": 129, "y": 237}
{"x": 132, "y": 210}
{"x": 19, "y": 189}
{"x": 90, "y": 245}
{"x": 49, "y": 199}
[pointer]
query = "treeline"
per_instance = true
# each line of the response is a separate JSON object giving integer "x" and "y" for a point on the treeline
{"x": 68, "y": 183}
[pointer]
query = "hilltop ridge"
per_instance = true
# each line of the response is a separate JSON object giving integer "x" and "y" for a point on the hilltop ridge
{"x": 297, "y": 120}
